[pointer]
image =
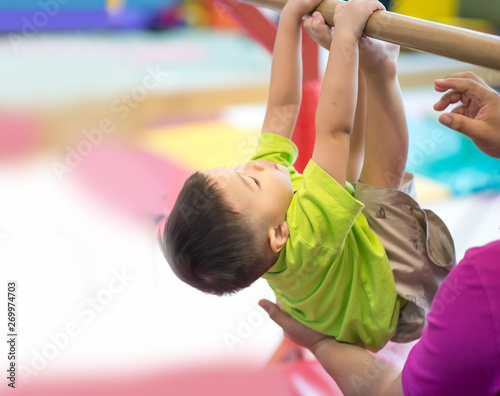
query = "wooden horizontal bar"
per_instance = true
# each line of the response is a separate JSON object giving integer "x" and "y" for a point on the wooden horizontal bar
{"x": 435, "y": 38}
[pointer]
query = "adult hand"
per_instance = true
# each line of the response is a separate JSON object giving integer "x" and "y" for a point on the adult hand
{"x": 294, "y": 330}
{"x": 478, "y": 116}
{"x": 345, "y": 363}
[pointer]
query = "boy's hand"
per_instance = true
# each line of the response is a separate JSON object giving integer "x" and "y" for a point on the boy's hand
{"x": 353, "y": 15}
{"x": 319, "y": 31}
{"x": 376, "y": 57}
{"x": 374, "y": 54}
{"x": 299, "y": 8}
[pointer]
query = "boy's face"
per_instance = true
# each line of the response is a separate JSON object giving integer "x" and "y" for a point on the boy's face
{"x": 260, "y": 187}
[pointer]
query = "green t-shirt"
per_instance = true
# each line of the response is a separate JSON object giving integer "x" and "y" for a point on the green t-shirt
{"x": 333, "y": 274}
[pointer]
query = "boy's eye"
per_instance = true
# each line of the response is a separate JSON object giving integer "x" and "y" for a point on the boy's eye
{"x": 256, "y": 181}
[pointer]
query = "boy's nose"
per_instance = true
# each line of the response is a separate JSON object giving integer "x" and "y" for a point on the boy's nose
{"x": 257, "y": 165}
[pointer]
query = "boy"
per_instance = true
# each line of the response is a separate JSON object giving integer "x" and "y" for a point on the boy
{"x": 305, "y": 233}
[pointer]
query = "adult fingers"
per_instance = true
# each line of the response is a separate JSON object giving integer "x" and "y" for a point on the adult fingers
{"x": 472, "y": 88}
{"x": 276, "y": 314}
{"x": 460, "y": 110}
{"x": 461, "y": 123}
{"x": 469, "y": 75}
{"x": 447, "y": 99}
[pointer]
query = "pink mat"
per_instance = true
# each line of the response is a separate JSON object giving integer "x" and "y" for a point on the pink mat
{"x": 132, "y": 179}
{"x": 298, "y": 378}
{"x": 19, "y": 134}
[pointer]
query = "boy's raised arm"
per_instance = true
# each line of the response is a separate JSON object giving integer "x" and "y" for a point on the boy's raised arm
{"x": 337, "y": 102}
{"x": 286, "y": 72}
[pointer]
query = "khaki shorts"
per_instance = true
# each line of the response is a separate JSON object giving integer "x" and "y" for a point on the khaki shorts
{"x": 419, "y": 247}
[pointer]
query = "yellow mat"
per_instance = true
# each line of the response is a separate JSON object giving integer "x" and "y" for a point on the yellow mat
{"x": 202, "y": 145}
{"x": 205, "y": 145}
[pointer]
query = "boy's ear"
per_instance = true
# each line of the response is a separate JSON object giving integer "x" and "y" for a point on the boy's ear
{"x": 278, "y": 236}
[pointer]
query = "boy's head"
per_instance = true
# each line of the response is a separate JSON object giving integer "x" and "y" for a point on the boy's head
{"x": 228, "y": 225}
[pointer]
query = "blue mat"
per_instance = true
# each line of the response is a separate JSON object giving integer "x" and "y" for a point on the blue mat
{"x": 450, "y": 157}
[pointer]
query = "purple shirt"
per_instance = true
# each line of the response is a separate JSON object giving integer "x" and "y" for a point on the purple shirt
{"x": 459, "y": 352}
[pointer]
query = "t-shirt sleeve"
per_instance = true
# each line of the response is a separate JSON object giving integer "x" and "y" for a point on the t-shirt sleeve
{"x": 322, "y": 212}
{"x": 459, "y": 352}
{"x": 279, "y": 150}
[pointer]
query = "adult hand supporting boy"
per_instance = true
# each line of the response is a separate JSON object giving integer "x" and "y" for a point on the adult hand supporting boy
{"x": 347, "y": 364}
{"x": 286, "y": 72}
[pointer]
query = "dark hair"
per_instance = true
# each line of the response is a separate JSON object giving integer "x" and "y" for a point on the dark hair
{"x": 208, "y": 244}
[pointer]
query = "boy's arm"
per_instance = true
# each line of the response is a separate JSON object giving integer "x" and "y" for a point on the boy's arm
{"x": 337, "y": 102}
{"x": 386, "y": 128}
{"x": 286, "y": 72}
{"x": 357, "y": 144}
{"x": 386, "y": 134}
{"x": 322, "y": 33}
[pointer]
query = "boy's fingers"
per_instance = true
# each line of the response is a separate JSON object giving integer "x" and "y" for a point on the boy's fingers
{"x": 308, "y": 24}
{"x": 380, "y": 6}
{"x": 318, "y": 30}
{"x": 318, "y": 17}
{"x": 311, "y": 23}
{"x": 339, "y": 8}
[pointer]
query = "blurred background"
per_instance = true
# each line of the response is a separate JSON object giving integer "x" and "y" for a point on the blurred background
{"x": 106, "y": 107}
